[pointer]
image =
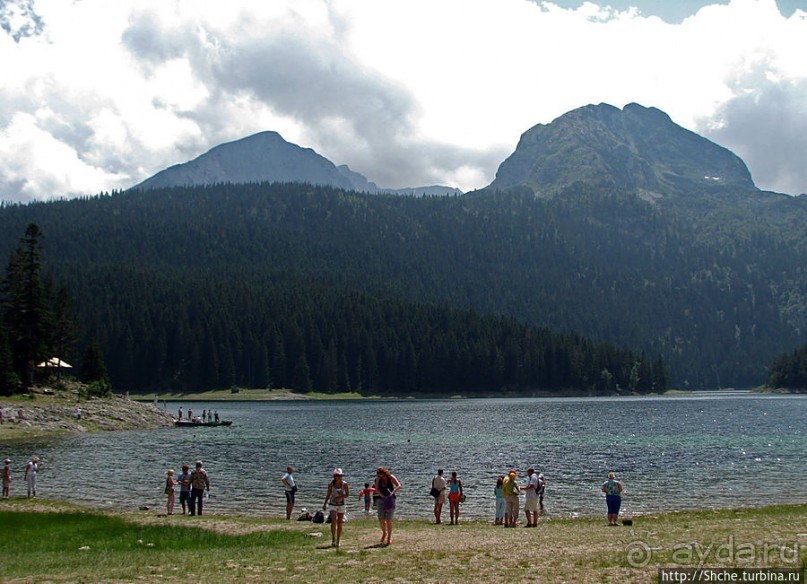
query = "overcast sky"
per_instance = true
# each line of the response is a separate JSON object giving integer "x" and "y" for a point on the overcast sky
{"x": 99, "y": 94}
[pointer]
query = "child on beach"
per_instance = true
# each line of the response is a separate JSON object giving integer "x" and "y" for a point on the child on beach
{"x": 170, "y": 483}
{"x": 367, "y": 493}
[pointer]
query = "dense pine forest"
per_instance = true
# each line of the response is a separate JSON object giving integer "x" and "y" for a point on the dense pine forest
{"x": 291, "y": 285}
{"x": 36, "y": 323}
{"x": 249, "y": 333}
{"x": 789, "y": 371}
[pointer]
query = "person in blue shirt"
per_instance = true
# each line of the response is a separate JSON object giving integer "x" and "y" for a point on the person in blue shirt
{"x": 613, "y": 497}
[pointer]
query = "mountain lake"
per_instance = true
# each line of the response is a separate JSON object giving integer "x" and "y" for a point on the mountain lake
{"x": 704, "y": 450}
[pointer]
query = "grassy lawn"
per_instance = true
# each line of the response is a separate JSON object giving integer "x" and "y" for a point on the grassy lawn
{"x": 51, "y": 541}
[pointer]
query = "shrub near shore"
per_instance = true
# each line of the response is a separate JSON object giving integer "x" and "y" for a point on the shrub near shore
{"x": 148, "y": 547}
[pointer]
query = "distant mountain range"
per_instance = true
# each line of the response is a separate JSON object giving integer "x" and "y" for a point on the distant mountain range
{"x": 267, "y": 157}
{"x": 614, "y": 224}
{"x": 635, "y": 148}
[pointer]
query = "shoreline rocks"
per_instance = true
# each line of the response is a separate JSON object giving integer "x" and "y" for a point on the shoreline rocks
{"x": 60, "y": 413}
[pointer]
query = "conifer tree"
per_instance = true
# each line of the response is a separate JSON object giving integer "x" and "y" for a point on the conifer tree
{"x": 27, "y": 314}
{"x": 64, "y": 330}
{"x": 94, "y": 371}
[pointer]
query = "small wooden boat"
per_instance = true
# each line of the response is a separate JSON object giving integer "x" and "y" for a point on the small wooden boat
{"x": 200, "y": 424}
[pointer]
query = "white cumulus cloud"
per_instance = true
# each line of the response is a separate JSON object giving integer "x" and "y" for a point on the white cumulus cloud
{"x": 99, "y": 95}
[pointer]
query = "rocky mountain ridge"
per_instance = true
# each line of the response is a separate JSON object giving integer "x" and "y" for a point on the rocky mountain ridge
{"x": 267, "y": 157}
{"x": 634, "y": 149}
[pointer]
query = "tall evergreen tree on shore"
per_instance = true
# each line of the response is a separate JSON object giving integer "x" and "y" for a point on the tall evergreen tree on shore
{"x": 92, "y": 365}
{"x": 37, "y": 321}
{"x": 64, "y": 330}
{"x": 26, "y": 309}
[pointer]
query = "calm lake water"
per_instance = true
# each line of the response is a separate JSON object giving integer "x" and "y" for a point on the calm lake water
{"x": 676, "y": 452}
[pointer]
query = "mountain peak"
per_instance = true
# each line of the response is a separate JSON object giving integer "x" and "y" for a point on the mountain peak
{"x": 267, "y": 157}
{"x": 264, "y": 156}
{"x": 635, "y": 148}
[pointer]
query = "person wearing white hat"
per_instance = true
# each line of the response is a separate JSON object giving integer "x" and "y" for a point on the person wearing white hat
{"x": 336, "y": 500}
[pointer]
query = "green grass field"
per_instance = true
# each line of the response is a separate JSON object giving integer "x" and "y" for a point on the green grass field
{"x": 57, "y": 542}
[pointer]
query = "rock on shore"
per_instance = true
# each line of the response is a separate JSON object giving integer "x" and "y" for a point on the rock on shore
{"x": 60, "y": 413}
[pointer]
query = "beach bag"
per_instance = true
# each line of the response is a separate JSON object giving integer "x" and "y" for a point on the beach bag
{"x": 388, "y": 503}
{"x": 462, "y": 498}
{"x": 435, "y": 492}
{"x": 319, "y": 517}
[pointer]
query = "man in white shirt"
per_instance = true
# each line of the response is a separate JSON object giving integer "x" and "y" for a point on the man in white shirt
{"x": 439, "y": 483}
{"x": 291, "y": 488}
{"x": 531, "y": 503}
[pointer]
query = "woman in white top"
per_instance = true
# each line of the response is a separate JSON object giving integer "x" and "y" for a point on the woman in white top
{"x": 338, "y": 492}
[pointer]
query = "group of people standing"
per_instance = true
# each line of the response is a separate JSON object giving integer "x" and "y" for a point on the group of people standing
{"x": 506, "y": 491}
{"x": 192, "y": 488}
{"x": 31, "y": 470}
{"x": 383, "y": 492}
{"x": 207, "y": 416}
{"x": 386, "y": 486}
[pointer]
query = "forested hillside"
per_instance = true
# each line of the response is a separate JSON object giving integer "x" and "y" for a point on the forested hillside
{"x": 260, "y": 283}
{"x": 789, "y": 371}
